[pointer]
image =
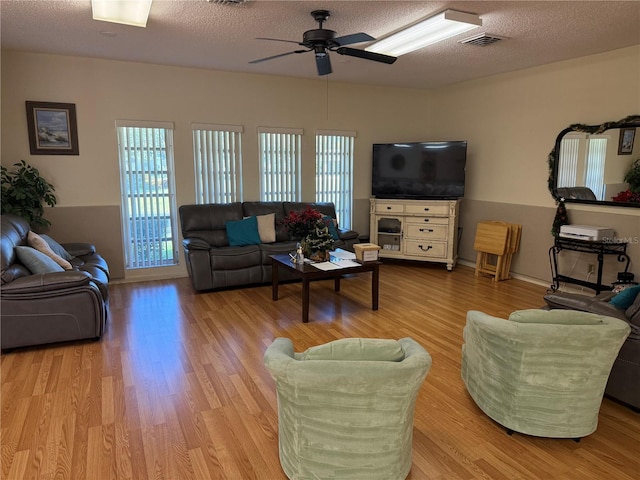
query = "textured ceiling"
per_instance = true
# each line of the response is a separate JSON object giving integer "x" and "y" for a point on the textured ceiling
{"x": 197, "y": 33}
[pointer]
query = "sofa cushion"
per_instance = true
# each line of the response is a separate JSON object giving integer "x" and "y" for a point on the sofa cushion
{"x": 36, "y": 262}
{"x": 267, "y": 227}
{"x": 359, "y": 349}
{"x": 57, "y": 248}
{"x": 36, "y": 241}
{"x": 633, "y": 312}
{"x": 626, "y": 297}
{"x": 243, "y": 232}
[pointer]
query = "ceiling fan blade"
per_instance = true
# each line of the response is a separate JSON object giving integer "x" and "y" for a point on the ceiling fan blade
{"x": 277, "y": 40}
{"x": 353, "y": 38}
{"x": 277, "y": 56}
{"x": 376, "y": 57}
{"x": 324, "y": 64}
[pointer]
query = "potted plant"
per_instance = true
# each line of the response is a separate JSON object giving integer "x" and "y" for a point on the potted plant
{"x": 632, "y": 177}
{"x": 24, "y": 191}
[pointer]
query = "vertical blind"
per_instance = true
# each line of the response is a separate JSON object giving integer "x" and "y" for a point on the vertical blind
{"x": 334, "y": 172}
{"x": 145, "y": 151}
{"x": 594, "y": 166}
{"x": 279, "y": 164}
{"x": 568, "y": 165}
{"x": 218, "y": 163}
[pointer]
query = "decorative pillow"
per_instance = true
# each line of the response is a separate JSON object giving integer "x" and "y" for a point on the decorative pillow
{"x": 332, "y": 225}
{"x": 243, "y": 232}
{"x": 556, "y": 317}
{"x": 625, "y": 298}
{"x": 37, "y": 262}
{"x": 267, "y": 227}
{"x": 36, "y": 241}
{"x": 359, "y": 349}
{"x": 57, "y": 248}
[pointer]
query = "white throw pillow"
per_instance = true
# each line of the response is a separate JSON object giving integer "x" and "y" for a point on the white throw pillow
{"x": 267, "y": 227}
{"x": 36, "y": 241}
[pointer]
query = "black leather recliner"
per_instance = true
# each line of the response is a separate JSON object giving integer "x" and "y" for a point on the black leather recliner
{"x": 51, "y": 307}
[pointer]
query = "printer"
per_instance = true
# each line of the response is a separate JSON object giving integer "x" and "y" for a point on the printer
{"x": 587, "y": 232}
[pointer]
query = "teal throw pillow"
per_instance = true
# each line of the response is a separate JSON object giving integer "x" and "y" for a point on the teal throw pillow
{"x": 243, "y": 232}
{"x": 37, "y": 262}
{"x": 331, "y": 225}
{"x": 625, "y": 298}
{"x": 57, "y": 248}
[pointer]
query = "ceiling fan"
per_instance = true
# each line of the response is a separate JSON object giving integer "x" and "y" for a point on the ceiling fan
{"x": 322, "y": 41}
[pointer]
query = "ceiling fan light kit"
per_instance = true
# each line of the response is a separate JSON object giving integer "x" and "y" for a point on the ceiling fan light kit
{"x": 321, "y": 41}
{"x": 127, "y": 12}
{"x": 434, "y": 29}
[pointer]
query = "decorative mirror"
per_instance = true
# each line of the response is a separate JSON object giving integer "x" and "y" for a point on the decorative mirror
{"x": 597, "y": 164}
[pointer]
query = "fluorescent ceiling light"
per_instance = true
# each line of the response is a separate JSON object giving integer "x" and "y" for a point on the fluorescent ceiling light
{"x": 128, "y": 12}
{"x": 432, "y": 30}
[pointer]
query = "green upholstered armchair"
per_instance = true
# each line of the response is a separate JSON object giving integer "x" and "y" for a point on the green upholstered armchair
{"x": 541, "y": 373}
{"x": 345, "y": 408}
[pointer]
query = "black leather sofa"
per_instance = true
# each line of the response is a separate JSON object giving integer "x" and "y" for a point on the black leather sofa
{"x": 51, "y": 307}
{"x": 624, "y": 379}
{"x": 212, "y": 263}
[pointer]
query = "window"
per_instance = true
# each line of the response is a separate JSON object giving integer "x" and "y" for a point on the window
{"x": 334, "y": 172}
{"x": 217, "y": 163}
{"x": 279, "y": 164}
{"x": 594, "y": 166}
{"x": 568, "y": 166}
{"x": 145, "y": 151}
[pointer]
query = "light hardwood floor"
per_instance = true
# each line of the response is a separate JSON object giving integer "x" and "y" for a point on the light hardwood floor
{"x": 176, "y": 389}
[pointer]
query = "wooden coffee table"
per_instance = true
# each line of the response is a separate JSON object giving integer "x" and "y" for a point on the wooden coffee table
{"x": 307, "y": 272}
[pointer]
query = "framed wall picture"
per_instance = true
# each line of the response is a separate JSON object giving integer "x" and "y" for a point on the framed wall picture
{"x": 53, "y": 128}
{"x": 627, "y": 137}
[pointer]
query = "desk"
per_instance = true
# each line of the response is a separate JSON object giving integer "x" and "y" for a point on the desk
{"x": 307, "y": 272}
{"x": 598, "y": 248}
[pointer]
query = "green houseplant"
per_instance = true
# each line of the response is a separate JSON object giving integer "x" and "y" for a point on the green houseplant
{"x": 24, "y": 191}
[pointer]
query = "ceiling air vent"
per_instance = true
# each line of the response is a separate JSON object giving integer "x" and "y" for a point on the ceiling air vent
{"x": 482, "y": 40}
{"x": 228, "y": 2}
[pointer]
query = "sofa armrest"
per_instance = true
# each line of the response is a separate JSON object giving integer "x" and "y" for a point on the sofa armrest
{"x": 79, "y": 249}
{"x": 347, "y": 234}
{"x": 46, "y": 282}
{"x": 195, "y": 244}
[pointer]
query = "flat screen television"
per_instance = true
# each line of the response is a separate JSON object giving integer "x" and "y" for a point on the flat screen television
{"x": 420, "y": 170}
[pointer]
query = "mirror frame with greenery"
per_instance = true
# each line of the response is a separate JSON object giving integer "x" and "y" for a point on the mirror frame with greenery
{"x": 627, "y": 122}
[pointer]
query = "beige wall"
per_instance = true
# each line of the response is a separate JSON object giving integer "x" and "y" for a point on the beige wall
{"x": 104, "y": 91}
{"x": 510, "y": 121}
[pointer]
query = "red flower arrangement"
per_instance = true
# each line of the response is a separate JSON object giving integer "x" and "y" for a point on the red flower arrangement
{"x": 627, "y": 196}
{"x": 301, "y": 224}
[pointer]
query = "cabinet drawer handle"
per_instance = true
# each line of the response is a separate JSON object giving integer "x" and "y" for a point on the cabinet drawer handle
{"x": 388, "y": 208}
{"x": 430, "y": 230}
{"x": 426, "y": 209}
{"x": 424, "y": 249}
{"x": 426, "y": 219}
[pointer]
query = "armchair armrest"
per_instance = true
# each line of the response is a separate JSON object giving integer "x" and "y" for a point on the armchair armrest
{"x": 79, "y": 249}
{"x": 45, "y": 283}
{"x": 195, "y": 244}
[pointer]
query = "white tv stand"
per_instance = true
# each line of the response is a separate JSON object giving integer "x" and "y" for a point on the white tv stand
{"x": 423, "y": 230}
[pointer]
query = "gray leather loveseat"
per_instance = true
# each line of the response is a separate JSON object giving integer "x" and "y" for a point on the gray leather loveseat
{"x": 212, "y": 263}
{"x": 624, "y": 380}
{"x": 41, "y": 308}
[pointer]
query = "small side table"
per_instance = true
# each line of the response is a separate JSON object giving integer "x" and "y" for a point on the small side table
{"x": 600, "y": 249}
